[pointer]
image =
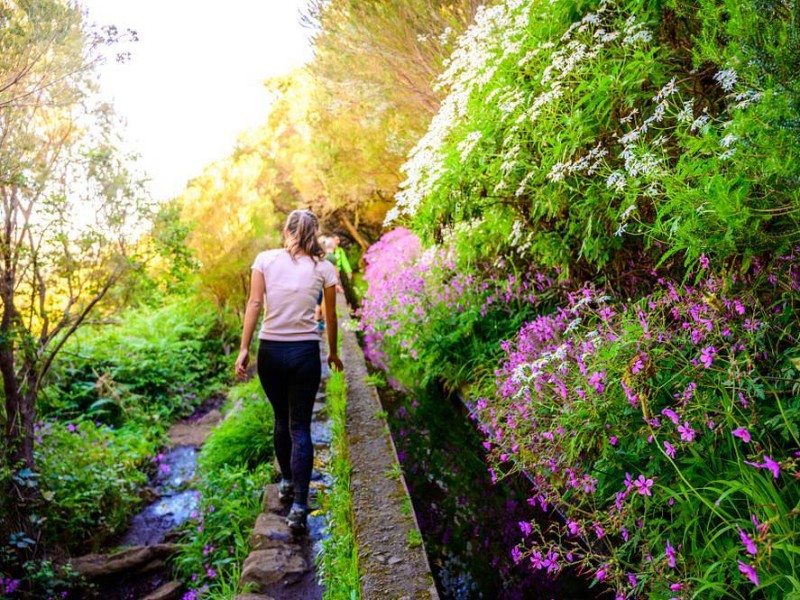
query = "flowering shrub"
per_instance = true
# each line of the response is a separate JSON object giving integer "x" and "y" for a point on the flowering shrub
{"x": 585, "y": 128}
{"x": 426, "y": 317}
{"x": 664, "y": 432}
{"x": 595, "y": 139}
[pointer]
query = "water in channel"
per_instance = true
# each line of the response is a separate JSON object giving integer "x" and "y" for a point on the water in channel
{"x": 469, "y": 525}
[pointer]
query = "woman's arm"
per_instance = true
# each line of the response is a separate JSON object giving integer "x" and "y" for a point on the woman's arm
{"x": 332, "y": 326}
{"x": 251, "y": 314}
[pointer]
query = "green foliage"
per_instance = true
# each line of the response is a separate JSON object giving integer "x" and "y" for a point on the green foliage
{"x": 338, "y": 562}
{"x": 243, "y": 439}
{"x": 216, "y": 541}
{"x": 577, "y": 139}
{"x": 170, "y": 360}
{"x": 235, "y": 464}
{"x": 89, "y": 478}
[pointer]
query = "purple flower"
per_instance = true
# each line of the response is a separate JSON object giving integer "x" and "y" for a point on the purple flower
{"x": 596, "y": 381}
{"x": 525, "y": 527}
{"x": 704, "y": 262}
{"x": 707, "y": 356}
{"x": 599, "y": 532}
{"x": 768, "y": 463}
{"x": 749, "y": 571}
{"x": 669, "y": 449}
{"x": 671, "y": 415}
{"x": 670, "y": 552}
{"x": 742, "y": 434}
{"x": 573, "y": 527}
{"x": 551, "y": 562}
{"x": 686, "y": 431}
{"x": 516, "y": 555}
{"x": 601, "y": 574}
{"x": 643, "y": 485}
{"x": 749, "y": 544}
{"x": 613, "y": 440}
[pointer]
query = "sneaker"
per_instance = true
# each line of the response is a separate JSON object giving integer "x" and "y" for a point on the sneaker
{"x": 296, "y": 520}
{"x": 285, "y": 491}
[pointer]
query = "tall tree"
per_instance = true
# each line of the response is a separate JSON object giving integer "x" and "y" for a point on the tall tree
{"x": 375, "y": 67}
{"x": 68, "y": 207}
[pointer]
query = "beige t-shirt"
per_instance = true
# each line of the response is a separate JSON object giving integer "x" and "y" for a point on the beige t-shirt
{"x": 292, "y": 287}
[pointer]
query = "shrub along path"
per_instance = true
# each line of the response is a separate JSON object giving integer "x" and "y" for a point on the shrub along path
{"x": 139, "y": 569}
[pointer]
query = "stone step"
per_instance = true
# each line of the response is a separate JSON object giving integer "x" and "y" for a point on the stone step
{"x": 271, "y": 531}
{"x": 264, "y": 568}
{"x": 168, "y": 591}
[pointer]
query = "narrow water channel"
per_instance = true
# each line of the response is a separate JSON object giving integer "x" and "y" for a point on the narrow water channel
{"x": 469, "y": 525}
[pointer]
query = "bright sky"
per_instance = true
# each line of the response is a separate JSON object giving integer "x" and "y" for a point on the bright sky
{"x": 195, "y": 80}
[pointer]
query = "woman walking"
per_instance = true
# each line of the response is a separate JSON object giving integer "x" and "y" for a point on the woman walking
{"x": 289, "y": 366}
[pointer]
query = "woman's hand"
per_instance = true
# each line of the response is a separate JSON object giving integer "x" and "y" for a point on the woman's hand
{"x": 334, "y": 362}
{"x": 241, "y": 363}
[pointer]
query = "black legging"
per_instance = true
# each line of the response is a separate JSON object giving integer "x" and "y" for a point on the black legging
{"x": 290, "y": 375}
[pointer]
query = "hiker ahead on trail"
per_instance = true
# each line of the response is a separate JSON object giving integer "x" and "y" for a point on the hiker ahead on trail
{"x": 289, "y": 366}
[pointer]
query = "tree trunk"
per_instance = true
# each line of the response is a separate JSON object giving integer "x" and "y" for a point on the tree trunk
{"x": 353, "y": 231}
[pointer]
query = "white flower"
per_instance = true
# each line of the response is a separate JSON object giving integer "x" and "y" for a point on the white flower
{"x": 666, "y": 91}
{"x": 629, "y": 117}
{"x": 700, "y": 122}
{"x": 628, "y": 211}
{"x": 726, "y": 79}
{"x": 728, "y": 140}
{"x": 686, "y": 115}
{"x": 616, "y": 180}
{"x": 747, "y": 98}
{"x": 466, "y": 145}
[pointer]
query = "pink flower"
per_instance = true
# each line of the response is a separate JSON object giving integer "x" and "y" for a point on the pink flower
{"x": 671, "y": 415}
{"x": 768, "y": 463}
{"x": 596, "y": 381}
{"x": 686, "y": 431}
{"x": 749, "y": 544}
{"x": 643, "y": 485}
{"x": 670, "y": 552}
{"x": 749, "y": 571}
{"x": 704, "y": 262}
{"x": 742, "y": 434}
{"x": 669, "y": 449}
{"x": 707, "y": 356}
{"x": 601, "y": 574}
{"x": 773, "y": 466}
{"x": 573, "y": 527}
